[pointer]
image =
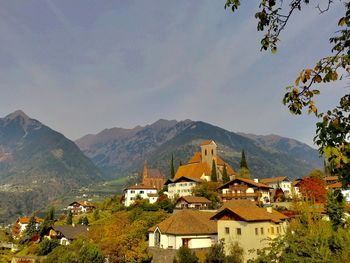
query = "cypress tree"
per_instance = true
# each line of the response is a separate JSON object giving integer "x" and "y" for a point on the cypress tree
{"x": 225, "y": 177}
{"x": 172, "y": 169}
{"x": 243, "y": 163}
{"x": 69, "y": 220}
{"x": 31, "y": 227}
{"x": 213, "y": 176}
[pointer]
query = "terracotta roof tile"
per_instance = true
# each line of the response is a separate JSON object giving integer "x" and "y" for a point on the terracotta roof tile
{"x": 196, "y": 158}
{"x": 188, "y": 222}
{"x": 25, "y": 220}
{"x": 249, "y": 211}
{"x": 193, "y": 170}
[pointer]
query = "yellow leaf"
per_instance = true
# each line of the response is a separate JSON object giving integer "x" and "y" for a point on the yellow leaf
{"x": 317, "y": 78}
{"x": 297, "y": 81}
{"x": 341, "y": 21}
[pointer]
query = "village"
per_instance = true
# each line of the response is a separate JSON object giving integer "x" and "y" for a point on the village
{"x": 209, "y": 202}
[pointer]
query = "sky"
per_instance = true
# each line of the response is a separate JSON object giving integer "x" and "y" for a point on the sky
{"x": 82, "y": 66}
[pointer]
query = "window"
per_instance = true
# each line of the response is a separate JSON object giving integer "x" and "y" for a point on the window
{"x": 256, "y": 231}
{"x": 212, "y": 152}
{"x": 278, "y": 229}
{"x": 239, "y": 231}
{"x": 141, "y": 192}
{"x": 272, "y": 230}
{"x": 227, "y": 230}
{"x": 261, "y": 230}
{"x": 205, "y": 152}
{"x": 132, "y": 192}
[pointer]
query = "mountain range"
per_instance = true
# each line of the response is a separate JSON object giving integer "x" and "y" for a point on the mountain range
{"x": 119, "y": 151}
{"x": 37, "y": 164}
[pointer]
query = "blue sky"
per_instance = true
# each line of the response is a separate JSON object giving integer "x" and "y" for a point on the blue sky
{"x": 81, "y": 66}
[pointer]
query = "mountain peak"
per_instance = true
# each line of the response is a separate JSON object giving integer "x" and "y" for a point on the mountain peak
{"x": 16, "y": 114}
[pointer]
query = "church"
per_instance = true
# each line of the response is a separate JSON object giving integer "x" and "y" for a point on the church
{"x": 152, "y": 177}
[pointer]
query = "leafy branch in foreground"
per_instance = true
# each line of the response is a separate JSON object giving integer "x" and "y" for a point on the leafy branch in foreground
{"x": 332, "y": 133}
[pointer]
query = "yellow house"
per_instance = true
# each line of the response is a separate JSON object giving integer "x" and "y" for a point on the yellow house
{"x": 244, "y": 222}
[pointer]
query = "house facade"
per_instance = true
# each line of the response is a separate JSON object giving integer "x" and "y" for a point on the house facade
{"x": 79, "y": 207}
{"x": 245, "y": 189}
{"x": 244, "y": 222}
{"x": 139, "y": 191}
{"x": 21, "y": 224}
{"x": 66, "y": 234}
{"x": 181, "y": 186}
{"x": 279, "y": 182}
{"x": 189, "y": 228}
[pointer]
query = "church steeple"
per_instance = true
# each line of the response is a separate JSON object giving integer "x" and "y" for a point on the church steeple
{"x": 145, "y": 171}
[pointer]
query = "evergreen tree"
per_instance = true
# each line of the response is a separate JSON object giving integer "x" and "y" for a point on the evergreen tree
{"x": 185, "y": 255}
{"x": 180, "y": 163}
{"x": 69, "y": 219}
{"x": 31, "y": 229}
{"x": 50, "y": 215}
{"x": 213, "y": 176}
{"x": 85, "y": 221}
{"x": 225, "y": 177}
{"x": 335, "y": 208}
{"x": 172, "y": 169}
{"x": 243, "y": 163}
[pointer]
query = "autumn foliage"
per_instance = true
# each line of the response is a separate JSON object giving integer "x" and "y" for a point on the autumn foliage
{"x": 313, "y": 188}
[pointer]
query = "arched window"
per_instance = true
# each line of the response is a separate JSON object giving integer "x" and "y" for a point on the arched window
{"x": 157, "y": 238}
{"x": 212, "y": 152}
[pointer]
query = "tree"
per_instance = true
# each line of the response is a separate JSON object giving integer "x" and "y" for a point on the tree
{"x": 209, "y": 191}
{"x": 332, "y": 132}
{"x": 225, "y": 177}
{"x": 243, "y": 173}
{"x": 50, "y": 215}
{"x": 31, "y": 228}
{"x": 335, "y": 208}
{"x": 216, "y": 253}
{"x": 243, "y": 163}
{"x": 46, "y": 246}
{"x": 172, "y": 169}
{"x": 313, "y": 188}
{"x": 213, "y": 176}
{"x": 185, "y": 255}
{"x": 317, "y": 173}
{"x": 236, "y": 253}
{"x": 69, "y": 219}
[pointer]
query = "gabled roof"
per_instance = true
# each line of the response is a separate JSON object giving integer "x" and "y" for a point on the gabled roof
{"x": 140, "y": 187}
{"x": 272, "y": 180}
{"x": 248, "y": 211}
{"x": 206, "y": 142}
{"x": 194, "y": 199}
{"x": 71, "y": 232}
{"x": 82, "y": 203}
{"x": 25, "y": 220}
{"x": 193, "y": 170}
{"x": 188, "y": 222}
{"x": 249, "y": 182}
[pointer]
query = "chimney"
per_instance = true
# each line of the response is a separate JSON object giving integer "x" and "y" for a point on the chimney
{"x": 256, "y": 180}
{"x": 269, "y": 209}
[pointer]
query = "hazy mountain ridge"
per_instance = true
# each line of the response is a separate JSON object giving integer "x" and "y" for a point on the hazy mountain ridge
{"x": 276, "y": 156}
{"x": 37, "y": 164}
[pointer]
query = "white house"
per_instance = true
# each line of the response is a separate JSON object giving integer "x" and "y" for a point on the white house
{"x": 65, "y": 234}
{"x": 281, "y": 182}
{"x": 181, "y": 186}
{"x": 80, "y": 207}
{"x": 190, "y": 228}
{"x": 21, "y": 224}
{"x": 139, "y": 191}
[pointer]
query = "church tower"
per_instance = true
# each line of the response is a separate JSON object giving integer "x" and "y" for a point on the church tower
{"x": 145, "y": 173}
{"x": 209, "y": 153}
